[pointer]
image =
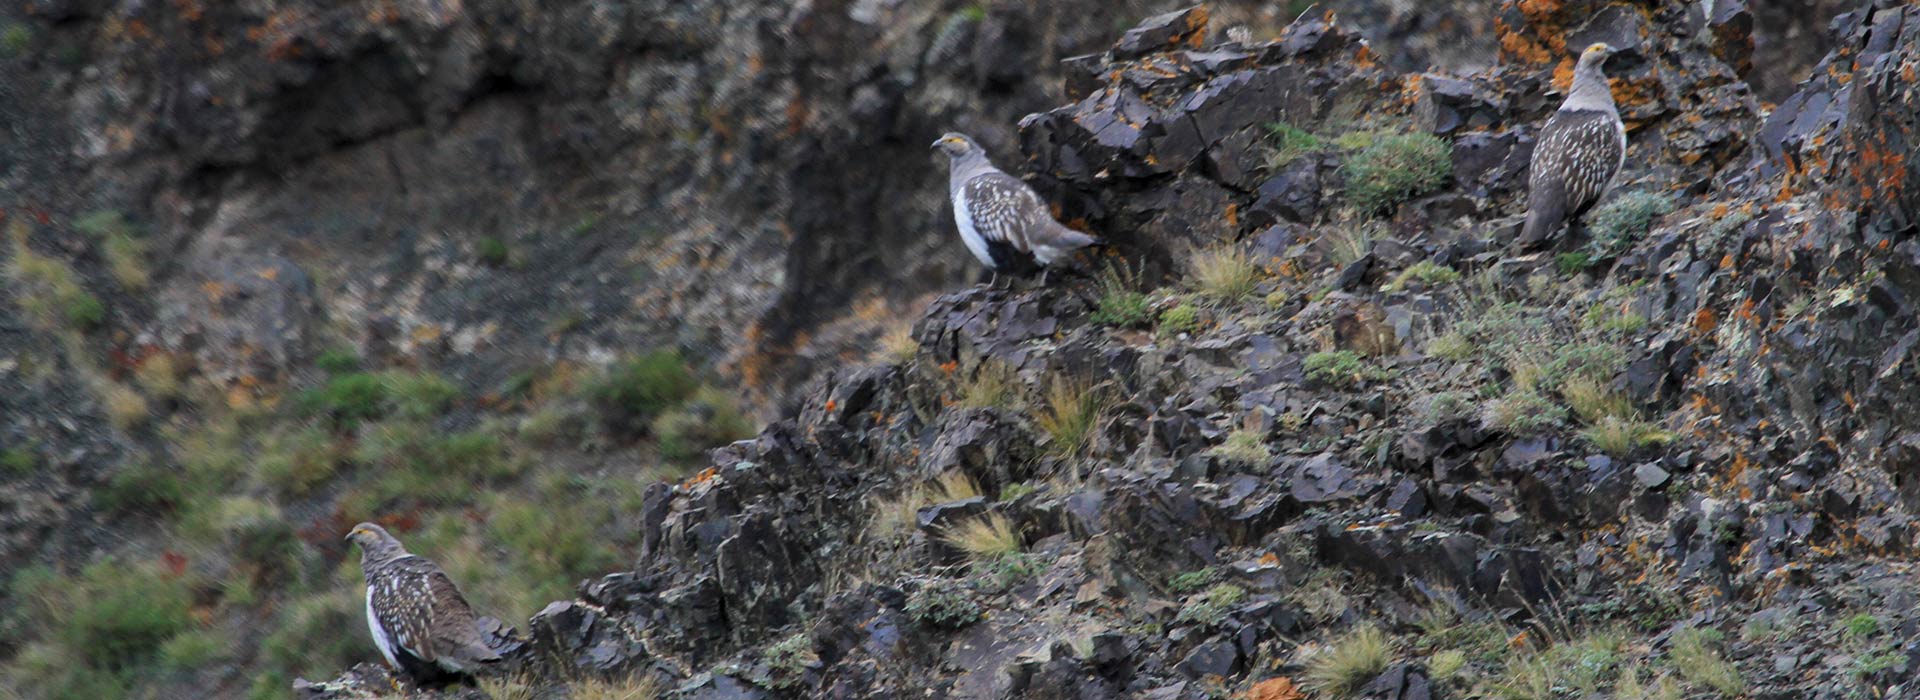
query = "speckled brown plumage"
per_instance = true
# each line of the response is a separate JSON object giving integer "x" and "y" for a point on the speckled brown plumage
{"x": 1578, "y": 153}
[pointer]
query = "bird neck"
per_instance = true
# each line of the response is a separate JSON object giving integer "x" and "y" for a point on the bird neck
{"x": 966, "y": 168}
{"x": 1590, "y": 91}
{"x": 380, "y": 554}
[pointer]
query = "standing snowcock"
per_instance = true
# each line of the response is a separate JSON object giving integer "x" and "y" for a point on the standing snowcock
{"x": 419, "y": 620}
{"x": 1003, "y": 222}
{"x": 1578, "y": 154}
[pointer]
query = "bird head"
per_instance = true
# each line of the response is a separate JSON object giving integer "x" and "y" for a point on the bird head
{"x": 368, "y": 535}
{"x": 1597, "y": 54}
{"x": 956, "y": 144}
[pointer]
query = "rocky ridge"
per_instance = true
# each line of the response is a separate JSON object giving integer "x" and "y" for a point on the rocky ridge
{"x": 1359, "y": 441}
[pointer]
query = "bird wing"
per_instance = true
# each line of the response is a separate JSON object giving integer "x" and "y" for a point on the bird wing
{"x": 427, "y": 616}
{"x": 1004, "y": 209}
{"x": 399, "y": 597}
{"x": 1582, "y": 150}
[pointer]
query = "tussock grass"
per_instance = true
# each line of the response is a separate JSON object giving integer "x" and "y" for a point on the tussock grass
{"x": 984, "y": 539}
{"x": 1071, "y": 414}
{"x": 1355, "y": 658}
{"x": 897, "y": 346}
{"x": 624, "y": 689}
{"x": 1225, "y": 275}
{"x": 992, "y": 385}
{"x": 1121, "y": 303}
{"x": 1696, "y": 657}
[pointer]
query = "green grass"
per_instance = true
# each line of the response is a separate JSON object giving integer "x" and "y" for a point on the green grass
{"x": 637, "y": 389}
{"x": 492, "y": 251}
{"x": 294, "y": 463}
{"x": 1696, "y": 656}
{"x": 1573, "y": 263}
{"x": 1210, "y": 608}
{"x": 1522, "y": 412}
{"x": 349, "y": 398}
{"x": 141, "y": 487}
{"x": 1394, "y": 169}
{"x": 1196, "y": 580}
{"x": 1617, "y": 225}
{"x": 337, "y": 361}
{"x": 18, "y": 461}
{"x": 15, "y": 40}
{"x": 1343, "y": 368}
{"x": 708, "y": 420}
{"x": 1289, "y": 143}
{"x": 113, "y": 616}
{"x": 124, "y": 253}
{"x": 1246, "y": 445}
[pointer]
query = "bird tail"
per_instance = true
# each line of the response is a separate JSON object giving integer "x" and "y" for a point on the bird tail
{"x": 1545, "y": 212}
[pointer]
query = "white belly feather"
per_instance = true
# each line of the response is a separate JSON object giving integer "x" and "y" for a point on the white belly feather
{"x": 380, "y": 637}
{"x": 964, "y": 219}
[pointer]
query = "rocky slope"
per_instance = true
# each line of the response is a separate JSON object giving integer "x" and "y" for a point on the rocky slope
{"x": 1306, "y": 441}
{"x": 1675, "y": 453}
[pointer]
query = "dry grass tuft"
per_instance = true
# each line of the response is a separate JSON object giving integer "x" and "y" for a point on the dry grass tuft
{"x": 993, "y": 385}
{"x": 1350, "y": 662}
{"x": 625, "y": 689}
{"x": 984, "y": 539}
{"x": 1226, "y": 274}
{"x": 1072, "y": 414}
{"x": 898, "y": 346}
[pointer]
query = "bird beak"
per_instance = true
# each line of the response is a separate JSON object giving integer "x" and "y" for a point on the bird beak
{"x": 937, "y": 142}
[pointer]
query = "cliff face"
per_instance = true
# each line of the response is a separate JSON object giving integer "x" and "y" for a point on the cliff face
{"x": 1670, "y": 459}
{"x": 1300, "y": 398}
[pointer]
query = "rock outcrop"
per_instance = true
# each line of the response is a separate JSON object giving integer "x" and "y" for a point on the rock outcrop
{"x": 1361, "y": 440}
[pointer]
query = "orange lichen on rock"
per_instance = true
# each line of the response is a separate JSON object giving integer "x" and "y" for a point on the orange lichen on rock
{"x": 1196, "y": 34}
{"x": 1281, "y": 688}
{"x": 1705, "y": 322}
{"x": 1518, "y": 48}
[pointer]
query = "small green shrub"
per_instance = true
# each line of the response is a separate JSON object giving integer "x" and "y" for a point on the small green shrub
{"x": 297, "y": 462}
{"x": 1620, "y": 223}
{"x": 141, "y": 487}
{"x": 118, "y": 615}
{"x": 1860, "y": 626}
{"x": 15, "y": 40}
{"x": 337, "y": 361}
{"x": 1002, "y": 572}
{"x": 85, "y": 311}
{"x": 194, "y": 650}
{"x": 1178, "y": 320}
{"x": 710, "y": 419}
{"x": 637, "y": 389}
{"x": 315, "y": 634}
{"x": 349, "y": 398}
{"x": 1573, "y": 263}
{"x": 492, "y": 251}
{"x": 1290, "y": 143}
{"x": 1212, "y": 607}
{"x": 1123, "y": 308}
{"x": 1395, "y": 168}
{"x": 942, "y": 603}
{"x": 124, "y": 253}
{"x": 1429, "y": 274}
{"x": 1013, "y": 492}
{"x": 790, "y": 658}
{"x": 18, "y": 461}
{"x": 1198, "y": 579}
{"x": 419, "y": 394}
{"x": 1343, "y": 368}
